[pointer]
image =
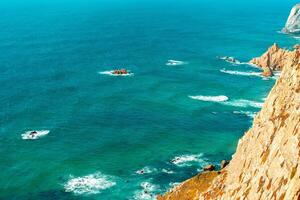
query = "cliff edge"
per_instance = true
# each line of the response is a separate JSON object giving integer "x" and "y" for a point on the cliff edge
{"x": 266, "y": 164}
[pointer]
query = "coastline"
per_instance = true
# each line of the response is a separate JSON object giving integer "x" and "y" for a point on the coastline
{"x": 265, "y": 164}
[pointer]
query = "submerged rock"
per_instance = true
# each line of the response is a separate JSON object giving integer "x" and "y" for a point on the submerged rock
{"x": 293, "y": 22}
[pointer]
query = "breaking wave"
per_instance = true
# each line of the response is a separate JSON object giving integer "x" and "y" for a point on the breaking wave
{"x": 219, "y": 98}
{"x": 244, "y": 103}
{"x": 146, "y": 170}
{"x": 175, "y": 62}
{"x": 241, "y": 73}
{"x": 148, "y": 191}
{"x": 90, "y": 184}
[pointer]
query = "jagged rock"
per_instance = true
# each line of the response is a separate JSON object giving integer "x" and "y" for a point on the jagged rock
{"x": 274, "y": 58}
{"x": 266, "y": 164}
{"x": 293, "y": 22}
{"x": 224, "y": 163}
{"x": 209, "y": 168}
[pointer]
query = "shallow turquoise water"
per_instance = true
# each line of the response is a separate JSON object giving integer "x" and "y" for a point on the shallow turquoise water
{"x": 107, "y": 127}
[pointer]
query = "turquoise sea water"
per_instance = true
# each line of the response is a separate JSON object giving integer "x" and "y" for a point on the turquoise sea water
{"x": 103, "y": 129}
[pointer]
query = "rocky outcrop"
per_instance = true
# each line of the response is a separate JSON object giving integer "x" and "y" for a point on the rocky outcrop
{"x": 274, "y": 59}
{"x": 293, "y": 23}
{"x": 266, "y": 164}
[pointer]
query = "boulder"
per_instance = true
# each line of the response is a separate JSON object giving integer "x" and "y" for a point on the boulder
{"x": 293, "y": 22}
{"x": 209, "y": 168}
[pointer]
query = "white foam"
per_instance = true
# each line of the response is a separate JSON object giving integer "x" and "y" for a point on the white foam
{"x": 244, "y": 103}
{"x": 241, "y": 73}
{"x": 247, "y": 113}
{"x": 33, "y": 135}
{"x": 90, "y": 184}
{"x": 188, "y": 160}
{"x": 167, "y": 171}
{"x": 147, "y": 192}
{"x": 219, "y": 98}
{"x": 175, "y": 62}
{"x": 146, "y": 170}
{"x": 111, "y": 73}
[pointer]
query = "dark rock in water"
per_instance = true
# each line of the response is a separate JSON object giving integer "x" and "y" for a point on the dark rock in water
{"x": 224, "y": 163}
{"x": 209, "y": 168}
{"x": 293, "y": 22}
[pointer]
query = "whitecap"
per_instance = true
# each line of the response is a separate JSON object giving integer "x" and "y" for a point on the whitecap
{"x": 247, "y": 113}
{"x": 90, "y": 184}
{"x": 241, "y": 73}
{"x": 175, "y": 62}
{"x": 244, "y": 103}
{"x": 111, "y": 73}
{"x": 188, "y": 160}
{"x": 33, "y": 135}
{"x": 146, "y": 170}
{"x": 219, "y": 98}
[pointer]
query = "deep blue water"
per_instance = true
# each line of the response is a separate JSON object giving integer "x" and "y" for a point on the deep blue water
{"x": 104, "y": 128}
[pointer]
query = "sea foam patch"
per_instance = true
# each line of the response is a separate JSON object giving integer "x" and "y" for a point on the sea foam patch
{"x": 33, "y": 135}
{"x": 241, "y": 73}
{"x": 219, "y": 98}
{"x": 175, "y": 62}
{"x": 146, "y": 170}
{"x": 247, "y": 113}
{"x": 90, "y": 184}
{"x": 244, "y": 103}
{"x": 148, "y": 191}
{"x": 188, "y": 160}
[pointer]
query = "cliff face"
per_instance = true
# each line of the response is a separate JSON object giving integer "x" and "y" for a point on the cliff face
{"x": 266, "y": 164}
{"x": 293, "y": 23}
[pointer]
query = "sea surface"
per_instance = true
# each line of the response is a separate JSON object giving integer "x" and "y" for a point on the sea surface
{"x": 126, "y": 137}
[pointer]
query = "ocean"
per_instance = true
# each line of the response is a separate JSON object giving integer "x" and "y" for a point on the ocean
{"x": 127, "y": 137}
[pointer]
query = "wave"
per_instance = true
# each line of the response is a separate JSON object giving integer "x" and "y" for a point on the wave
{"x": 147, "y": 192}
{"x": 219, "y": 98}
{"x": 175, "y": 62}
{"x": 188, "y": 160}
{"x": 241, "y": 73}
{"x": 244, "y": 103}
{"x": 90, "y": 184}
{"x": 33, "y": 135}
{"x": 111, "y": 73}
{"x": 247, "y": 113}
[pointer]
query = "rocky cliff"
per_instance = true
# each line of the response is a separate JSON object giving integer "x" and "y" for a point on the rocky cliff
{"x": 266, "y": 164}
{"x": 293, "y": 22}
{"x": 275, "y": 58}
